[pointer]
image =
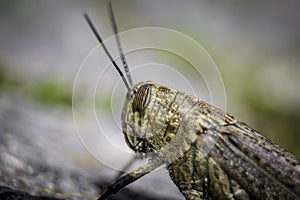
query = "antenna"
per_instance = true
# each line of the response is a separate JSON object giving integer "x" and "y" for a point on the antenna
{"x": 115, "y": 29}
{"x": 106, "y": 51}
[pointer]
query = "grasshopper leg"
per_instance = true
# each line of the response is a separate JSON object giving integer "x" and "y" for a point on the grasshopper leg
{"x": 123, "y": 181}
{"x": 126, "y": 167}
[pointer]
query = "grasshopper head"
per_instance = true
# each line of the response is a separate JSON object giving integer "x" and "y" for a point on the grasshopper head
{"x": 134, "y": 120}
{"x": 144, "y": 117}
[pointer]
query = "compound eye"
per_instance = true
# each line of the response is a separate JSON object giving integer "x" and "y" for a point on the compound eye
{"x": 142, "y": 98}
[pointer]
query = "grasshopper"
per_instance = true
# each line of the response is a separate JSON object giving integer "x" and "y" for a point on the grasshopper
{"x": 208, "y": 153}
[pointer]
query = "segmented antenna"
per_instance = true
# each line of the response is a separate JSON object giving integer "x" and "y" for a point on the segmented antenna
{"x": 106, "y": 51}
{"x": 116, "y": 32}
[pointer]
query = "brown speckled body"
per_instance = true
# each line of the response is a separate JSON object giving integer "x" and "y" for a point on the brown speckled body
{"x": 209, "y": 154}
{"x": 242, "y": 165}
{"x": 216, "y": 156}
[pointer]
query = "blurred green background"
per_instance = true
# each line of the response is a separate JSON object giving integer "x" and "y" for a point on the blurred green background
{"x": 255, "y": 44}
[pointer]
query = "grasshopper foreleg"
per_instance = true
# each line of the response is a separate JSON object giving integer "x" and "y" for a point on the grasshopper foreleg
{"x": 123, "y": 181}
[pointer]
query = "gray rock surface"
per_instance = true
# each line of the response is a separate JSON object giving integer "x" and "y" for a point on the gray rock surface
{"x": 35, "y": 163}
{"x": 35, "y": 143}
